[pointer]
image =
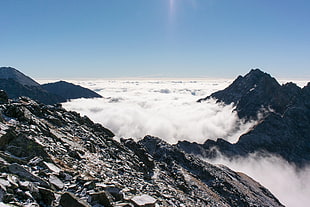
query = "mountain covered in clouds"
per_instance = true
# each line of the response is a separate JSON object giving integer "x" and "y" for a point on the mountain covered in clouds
{"x": 53, "y": 157}
{"x": 17, "y": 84}
{"x": 283, "y": 114}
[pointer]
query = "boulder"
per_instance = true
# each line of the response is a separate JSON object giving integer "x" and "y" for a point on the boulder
{"x": 144, "y": 201}
{"x": 47, "y": 196}
{"x": 103, "y": 198}
{"x": 23, "y": 173}
{"x": 56, "y": 182}
{"x": 70, "y": 200}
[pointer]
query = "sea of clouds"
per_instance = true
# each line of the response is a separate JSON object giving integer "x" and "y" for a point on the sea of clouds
{"x": 169, "y": 109}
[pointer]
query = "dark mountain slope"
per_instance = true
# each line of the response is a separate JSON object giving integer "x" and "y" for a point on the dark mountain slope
{"x": 15, "y": 89}
{"x": 284, "y": 129}
{"x": 12, "y": 73}
{"x": 52, "y": 157}
{"x": 69, "y": 90}
{"x": 17, "y": 84}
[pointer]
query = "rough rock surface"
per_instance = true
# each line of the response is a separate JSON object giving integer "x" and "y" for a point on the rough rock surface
{"x": 283, "y": 129}
{"x": 53, "y": 157}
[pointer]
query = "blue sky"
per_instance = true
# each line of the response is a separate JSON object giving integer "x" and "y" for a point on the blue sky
{"x": 155, "y": 38}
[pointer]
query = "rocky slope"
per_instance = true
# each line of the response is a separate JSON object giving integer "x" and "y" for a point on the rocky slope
{"x": 53, "y": 157}
{"x": 17, "y": 84}
{"x": 284, "y": 124}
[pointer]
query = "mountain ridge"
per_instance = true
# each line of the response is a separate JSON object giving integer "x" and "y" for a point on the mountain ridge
{"x": 17, "y": 84}
{"x": 283, "y": 126}
{"x": 69, "y": 90}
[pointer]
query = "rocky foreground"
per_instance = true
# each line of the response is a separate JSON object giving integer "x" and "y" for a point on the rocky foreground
{"x": 53, "y": 157}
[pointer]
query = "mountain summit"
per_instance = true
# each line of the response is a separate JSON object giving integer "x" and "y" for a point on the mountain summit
{"x": 283, "y": 129}
{"x": 255, "y": 93}
{"x": 12, "y": 73}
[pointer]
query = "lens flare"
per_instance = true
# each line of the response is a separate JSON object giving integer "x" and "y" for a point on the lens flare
{"x": 172, "y": 7}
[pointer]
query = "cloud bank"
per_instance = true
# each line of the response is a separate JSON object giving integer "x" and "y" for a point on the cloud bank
{"x": 166, "y": 109}
{"x": 289, "y": 185}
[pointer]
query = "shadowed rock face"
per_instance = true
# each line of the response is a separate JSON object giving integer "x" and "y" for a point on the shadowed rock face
{"x": 69, "y": 90}
{"x": 47, "y": 152}
{"x": 11, "y": 73}
{"x": 16, "y": 84}
{"x": 283, "y": 129}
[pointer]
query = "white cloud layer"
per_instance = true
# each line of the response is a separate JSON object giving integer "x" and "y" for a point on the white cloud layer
{"x": 289, "y": 185}
{"x": 167, "y": 109}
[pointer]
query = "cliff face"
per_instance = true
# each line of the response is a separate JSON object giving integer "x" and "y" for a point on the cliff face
{"x": 283, "y": 128}
{"x": 50, "y": 157}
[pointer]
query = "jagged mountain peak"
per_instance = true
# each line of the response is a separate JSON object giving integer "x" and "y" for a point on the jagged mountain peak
{"x": 283, "y": 129}
{"x": 257, "y": 92}
{"x": 12, "y": 73}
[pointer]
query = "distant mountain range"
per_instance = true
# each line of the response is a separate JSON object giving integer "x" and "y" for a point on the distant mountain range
{"x": 17, "y": 84}
{"x": 283, "y": 114}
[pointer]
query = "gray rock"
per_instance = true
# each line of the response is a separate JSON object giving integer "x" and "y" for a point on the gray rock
{"x": 144, "y": 201}
{"x": 56, "y": 182}
{"x": 22, "y": 172}
{"x": 70, "y": 200}
{"x": 52, "y": 167}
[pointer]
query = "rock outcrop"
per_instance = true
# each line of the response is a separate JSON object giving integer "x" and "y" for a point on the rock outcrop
{"x": 284, "y": 125}
{"x": 53, "y": 157}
